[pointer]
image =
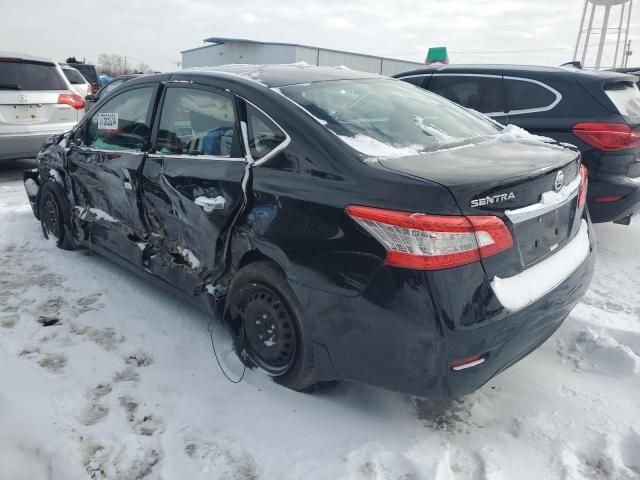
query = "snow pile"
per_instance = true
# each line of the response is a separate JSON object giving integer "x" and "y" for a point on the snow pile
{"x": 97, "y": 213}
{"x": 375, "y": 148}
{"x": 521, "y": 290}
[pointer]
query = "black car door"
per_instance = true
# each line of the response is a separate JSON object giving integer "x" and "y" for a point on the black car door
{"x": 192, "y": 184}
{"x": 104, "y": 159}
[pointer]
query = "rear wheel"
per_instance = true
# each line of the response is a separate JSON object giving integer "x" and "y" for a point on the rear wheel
{"x": 54, "y": 215}
{"x": 276, "y": 338}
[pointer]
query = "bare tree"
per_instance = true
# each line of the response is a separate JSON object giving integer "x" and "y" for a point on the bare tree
{"x": 115, "y": 65}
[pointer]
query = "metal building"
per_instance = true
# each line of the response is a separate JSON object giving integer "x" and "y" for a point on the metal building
{"x": 224, "y": 51}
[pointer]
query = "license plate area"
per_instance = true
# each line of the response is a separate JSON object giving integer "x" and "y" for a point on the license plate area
{"x": 26, "y": 113}
{"x": 541, "y": 236}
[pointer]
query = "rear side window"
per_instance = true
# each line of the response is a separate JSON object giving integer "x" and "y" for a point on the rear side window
{"x": 526, "y": 95}
{"x": 482, "y": 93}
{"x": 30, "y": 76}
{"x": 264, "y": 134}
{"x": 626, "y": 97}
{"x": 196, "y": 122}
{"x": 74, "y": 76}
{"x": 121, "y": 123}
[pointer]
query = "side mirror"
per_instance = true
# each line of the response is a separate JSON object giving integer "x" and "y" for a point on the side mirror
{"x": 91, "y": 99}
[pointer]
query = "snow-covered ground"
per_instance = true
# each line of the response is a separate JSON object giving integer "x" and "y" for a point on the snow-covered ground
{"x": 103, "y": 376}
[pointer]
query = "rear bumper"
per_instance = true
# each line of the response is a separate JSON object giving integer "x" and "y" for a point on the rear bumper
{"x": 609, "y": 187}
{"x": 407, "y": 327}
{"x": 15, "y": 146}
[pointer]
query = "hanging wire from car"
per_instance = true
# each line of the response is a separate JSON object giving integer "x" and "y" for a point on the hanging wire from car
{"x": 215, "y": 354}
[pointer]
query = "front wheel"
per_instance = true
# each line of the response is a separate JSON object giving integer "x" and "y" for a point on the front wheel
{"x": 54, "y": 215}
{"x": 276, "y": 338}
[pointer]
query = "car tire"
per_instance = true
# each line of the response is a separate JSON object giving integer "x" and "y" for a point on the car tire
{"x": 55, "y": 217}
{"x": 260, "y": 292}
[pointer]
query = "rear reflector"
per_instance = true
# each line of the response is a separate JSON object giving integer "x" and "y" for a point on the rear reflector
{"x": 584, "y": 183}
{"x": 608, "y": 199}
{"x": 432, "y": 242}
{"x": 607, "y": 136}
{"x": 465, "y": 363}
{"x": 72, "y": 99}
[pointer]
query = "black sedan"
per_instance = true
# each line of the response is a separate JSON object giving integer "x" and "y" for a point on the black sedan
{"x": 342, "y": 225}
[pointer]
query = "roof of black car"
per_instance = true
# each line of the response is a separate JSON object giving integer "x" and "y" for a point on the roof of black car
{"x": 281, "y": 75}
{"x": 497, "y": 69}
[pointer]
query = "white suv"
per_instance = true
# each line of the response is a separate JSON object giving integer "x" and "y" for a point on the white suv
{"x": 36, "y": 101}
{"x": 79, "y": 84}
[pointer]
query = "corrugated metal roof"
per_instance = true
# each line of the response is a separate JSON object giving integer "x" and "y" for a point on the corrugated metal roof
{"x": 221, "y": 40}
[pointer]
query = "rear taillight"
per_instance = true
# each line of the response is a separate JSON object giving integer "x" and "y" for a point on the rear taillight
{"x": 432, "y": 242}
{"x": 72, "y": 99}
{"x": 607, "y": 136}
{"x": 584, "y": 183}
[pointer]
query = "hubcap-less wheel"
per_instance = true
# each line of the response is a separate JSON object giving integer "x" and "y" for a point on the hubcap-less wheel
{"x": 52, "y": 216}
{"x": 269, "y": 330}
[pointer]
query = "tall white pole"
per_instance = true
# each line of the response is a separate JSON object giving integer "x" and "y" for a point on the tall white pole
{"x": 603, "y": 35}
{"x": 626, "y": 35}
{"x": 584, "y": 15}
{"x": 586, "y": 40}
{"x": 615, "y": 57}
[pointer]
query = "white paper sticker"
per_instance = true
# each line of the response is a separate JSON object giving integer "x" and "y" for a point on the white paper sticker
{"x": 107, "y": 121}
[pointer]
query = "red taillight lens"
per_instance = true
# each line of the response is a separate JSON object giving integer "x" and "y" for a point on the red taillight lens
{"x": 71, "y": 99}
{"x": 584, "y": 183}
{"x": 607, "y": 136}
{"x": 432, "y": 242}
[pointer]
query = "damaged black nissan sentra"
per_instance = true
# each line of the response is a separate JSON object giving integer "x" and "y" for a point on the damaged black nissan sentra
{"x": 342, "y": 225}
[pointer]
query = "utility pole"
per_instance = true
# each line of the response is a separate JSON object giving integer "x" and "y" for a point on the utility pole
{"x": 627, "y": 54}
{"x": 125, "y": 64}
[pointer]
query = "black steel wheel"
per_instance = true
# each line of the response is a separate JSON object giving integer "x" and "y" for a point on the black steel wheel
{"x": 54, "y": 215}
{"x": 269, "y": 329}
{"x": 265, "y": 314}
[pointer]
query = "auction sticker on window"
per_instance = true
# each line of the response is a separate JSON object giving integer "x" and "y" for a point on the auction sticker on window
{"x": 107, "y": 121}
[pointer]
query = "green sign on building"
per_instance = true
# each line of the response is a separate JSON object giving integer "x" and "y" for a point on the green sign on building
{"x": 437, "y": 55}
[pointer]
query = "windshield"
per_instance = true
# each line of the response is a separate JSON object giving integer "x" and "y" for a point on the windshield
{"x": 388, "y": 118}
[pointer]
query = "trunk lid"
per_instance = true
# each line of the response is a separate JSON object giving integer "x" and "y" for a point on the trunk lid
{"x": 513, "y": 181}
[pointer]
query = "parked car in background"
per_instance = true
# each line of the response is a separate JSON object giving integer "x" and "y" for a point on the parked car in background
{"x": 599, "y": 112}
{"x": 89, "y": 72}
{"x": 108, "y": 88}
{"x": 343, "y": 225}
{"x": 36, "y": 101}
{"x": 79, "y": 84}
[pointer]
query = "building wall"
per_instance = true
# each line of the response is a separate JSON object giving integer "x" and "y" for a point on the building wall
{"x": 252, "y": 53}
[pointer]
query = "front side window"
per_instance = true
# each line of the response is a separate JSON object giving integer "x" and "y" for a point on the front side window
{"x": 196, "y": 122}
{"x": 388, "y": 117}
{"x": 264, "y": 134}
{"x": 121, "y": 123}
{"x": 525, "y": 95}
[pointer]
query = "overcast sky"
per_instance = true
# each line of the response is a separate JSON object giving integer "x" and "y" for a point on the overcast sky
{"x": 155, "y": 31}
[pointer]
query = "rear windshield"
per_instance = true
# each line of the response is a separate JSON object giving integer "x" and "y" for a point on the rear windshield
{"x": 17, "y": 75}
{"x": 626, "y": 97}
{"x": 388, "y": 118}
{"x": 88, "y": 71}
{"x": 74, "y": 76}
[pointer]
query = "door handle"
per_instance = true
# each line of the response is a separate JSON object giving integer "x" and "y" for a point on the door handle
{"x": 210, "y": 204}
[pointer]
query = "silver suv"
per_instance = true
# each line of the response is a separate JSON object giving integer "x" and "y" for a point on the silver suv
{"x": 36, "y": 101}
